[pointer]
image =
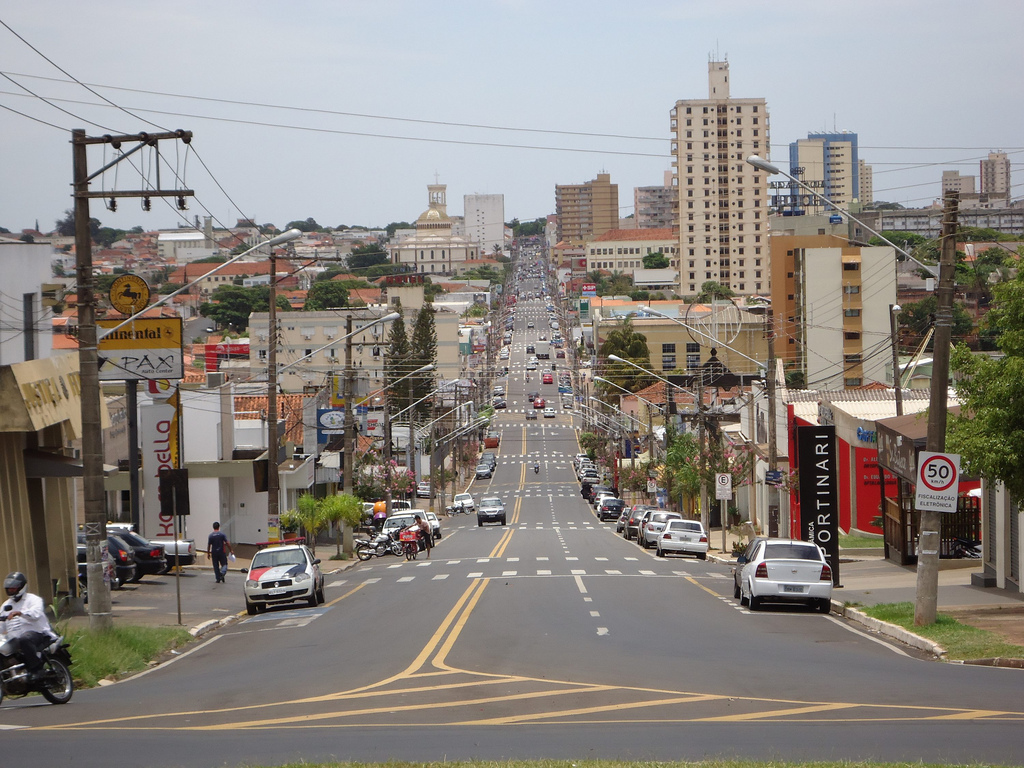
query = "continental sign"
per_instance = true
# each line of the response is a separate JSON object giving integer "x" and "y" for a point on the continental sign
{"x": 147, "y": 348}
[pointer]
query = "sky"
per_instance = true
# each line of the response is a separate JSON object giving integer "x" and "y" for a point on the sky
{"x": 345, "y": 111}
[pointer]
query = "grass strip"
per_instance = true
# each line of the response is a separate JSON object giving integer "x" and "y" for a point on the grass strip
{"x": 860, "y": 542}
{"x": 120, "y": 651}
{"x": 962, "y": 642}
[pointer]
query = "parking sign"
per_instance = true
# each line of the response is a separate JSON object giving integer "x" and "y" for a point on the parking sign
{"x": 723, "y": 486}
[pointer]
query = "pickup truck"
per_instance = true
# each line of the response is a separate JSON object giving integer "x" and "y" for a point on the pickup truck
{"x": 184, "y": 549}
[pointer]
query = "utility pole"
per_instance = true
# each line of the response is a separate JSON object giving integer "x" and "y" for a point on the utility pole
{"x": 773, "y": 452}
{"x": 929, "y": 538}
{"x": 349, "y": 440}
{"x": 273, "y": 468}
{"x": 897, "y": 378}
{"x": 100, "y": 618}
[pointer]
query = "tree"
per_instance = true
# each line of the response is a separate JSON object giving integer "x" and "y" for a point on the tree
{"x": 396, "y": 362}
{"x": 919, "y": 316}
{"x": 625, "y": 342}
{"x": 341, "y": 509}
{"x": 326, "y": 295}
{"x": 395, "y": 226}
{"x": 66, "y": 226}
{"x": 711, "y": 290}
{"x": 211, "y": 260}
{"x": 330, "y": 273}
{"x": 309, "y": 225}
{"x": 232, "y": 305}
{"x": 366, "y": 256}
{"x": 307, "y": 516}
{"x": 656, "y": 260}
{"x": 989, "y": 432}
{"x": 424, "y": 352}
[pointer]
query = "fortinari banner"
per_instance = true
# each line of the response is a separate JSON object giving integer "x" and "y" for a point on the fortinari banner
{"x": 819, "y": 491}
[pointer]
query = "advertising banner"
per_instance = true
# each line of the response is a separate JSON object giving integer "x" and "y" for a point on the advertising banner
{"x": 819, "y": 491}
{"x": 148, "y": 348}
{"x": 158, "y": 431}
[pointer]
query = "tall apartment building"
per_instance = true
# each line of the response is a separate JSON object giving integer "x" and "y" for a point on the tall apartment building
{"x": 722, "y": 205}
{"x": 952, "y": 181}
{"x": 995, "y": 174}
{"x": 867, "y": 183}
{"x": 655, "y": 207}
{"x": 586, "y": 211}
{"x": 828, "y": 162}
{"x": 484, "y": 221}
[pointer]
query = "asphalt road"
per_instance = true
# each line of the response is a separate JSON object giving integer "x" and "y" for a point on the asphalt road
{"x": 547, "y": 637}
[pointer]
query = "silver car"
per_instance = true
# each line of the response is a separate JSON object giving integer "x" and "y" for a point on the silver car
{"x": 783, "y": 570}
{"x": 687, "y": 537}
{"x": 653, "y": 525}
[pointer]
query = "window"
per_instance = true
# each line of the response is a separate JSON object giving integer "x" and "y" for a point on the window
{"x": 852, "y": 382}
{"x": 851, "y": 335}
{"x": 852, "y": 359}
{"x": 851, "y": 289}
{"x": 668, "y": 349}
{"x": 851, "y": 313}
{"x": 851, "y": 266}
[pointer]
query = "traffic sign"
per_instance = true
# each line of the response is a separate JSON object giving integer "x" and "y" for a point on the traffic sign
{"x": 938, "y": 481}
{"x": 723, "y": 486}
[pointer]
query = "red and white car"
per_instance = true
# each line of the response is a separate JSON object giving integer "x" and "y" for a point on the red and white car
{"x": 280, "y": 575}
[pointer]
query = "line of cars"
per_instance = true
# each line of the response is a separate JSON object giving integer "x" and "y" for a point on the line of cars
{"x": 130, "y": 556}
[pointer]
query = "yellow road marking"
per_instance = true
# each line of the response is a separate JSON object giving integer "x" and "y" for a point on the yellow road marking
{"x": 502, "y": 545}
{"x": 776, "y": 713}
{"x": 442, "y": 653}
{"x": 588, "y": 710}
{"x": 697, "y": 583}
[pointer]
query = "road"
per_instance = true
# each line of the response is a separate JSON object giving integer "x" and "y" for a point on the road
{"x": 550, "y": 637}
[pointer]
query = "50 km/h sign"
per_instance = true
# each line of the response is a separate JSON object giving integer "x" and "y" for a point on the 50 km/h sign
{"x": 938, "y": 481}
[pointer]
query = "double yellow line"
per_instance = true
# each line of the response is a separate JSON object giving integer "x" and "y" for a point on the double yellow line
{"x": 506, "y": 537}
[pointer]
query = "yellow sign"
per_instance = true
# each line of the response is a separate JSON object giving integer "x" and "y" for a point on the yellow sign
{"x": 129, "y": 294}
{"x": 146, "y": 348}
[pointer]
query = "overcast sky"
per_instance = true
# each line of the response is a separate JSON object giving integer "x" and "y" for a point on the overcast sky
{"x": 344, "y": 111}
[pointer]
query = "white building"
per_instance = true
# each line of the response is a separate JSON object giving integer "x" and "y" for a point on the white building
{"x": 434, "y": 249}
{"x": 723, "y": 206}
{"x": 484, "y": 221}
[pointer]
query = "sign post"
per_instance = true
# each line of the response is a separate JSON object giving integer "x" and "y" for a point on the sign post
{"x": 938, "y": 481}
{"x": 723, "y": 492}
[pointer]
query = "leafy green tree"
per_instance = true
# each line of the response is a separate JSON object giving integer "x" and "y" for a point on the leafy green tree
{"x": 326, "y": 295}
{"x": 918, "y": 317}
{"x": 66, "y": 227}
{"x": 396, "y": 362}
{"x": 341, "y": 509}
{"x": 232, "y": 305}
{"x": 712, "y": 290}
{"x": 211, "y": 260}
{"x": 309, "y": 225}
{"x": 989, "y": 432}
{"x": 330, "y": 273}
{"x": 424, "y": 352}
{"x": 656, "y": 260}
{"x": 394, "y": 226}
{"x": 625, "y": 342}
{"x": 307, "y": 516}
{"x": 477, "y": 310}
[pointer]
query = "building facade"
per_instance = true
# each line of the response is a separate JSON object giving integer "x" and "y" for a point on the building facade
{"x": 830, "y": 163}
{"x": 434, "y": 248}
{"x": 484, "y": 221}
{"x": 656, "y": 207}
{"x": 586, "y": 211}
{"x": 995, "y": 174}
{"x": 722, "y": 201}
{"x": 623, "y": 250}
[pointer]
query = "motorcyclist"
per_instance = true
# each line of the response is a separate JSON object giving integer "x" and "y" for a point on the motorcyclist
{"x": 536, "y": 467}
{"x": 26, "y": 624}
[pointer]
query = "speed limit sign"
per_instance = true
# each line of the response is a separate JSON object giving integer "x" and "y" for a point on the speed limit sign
{"x": 938, "y": 481}
{"x": 723, "y": 486}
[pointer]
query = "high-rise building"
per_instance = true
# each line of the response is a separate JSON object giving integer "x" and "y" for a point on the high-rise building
{"x": 866, "y": 176}
{"x": 952, "y": 181}
{"x": 586, "y": 211}
{"x": 995, "y": 174}
{"x": 722, "y": 201}
{"x": 484, "y": 221}
{"x": 655, "y": 207}
{"x": 828, "y": 162}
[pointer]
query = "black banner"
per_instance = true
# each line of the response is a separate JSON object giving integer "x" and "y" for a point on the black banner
{"x": 819, "y": 491}
{"x": 174, "y": 492}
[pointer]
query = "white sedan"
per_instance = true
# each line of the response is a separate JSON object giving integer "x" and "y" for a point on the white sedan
{"x": 783, "y": 570}
{"x": 281, "y": 575}
{"x": 686, "y": 537}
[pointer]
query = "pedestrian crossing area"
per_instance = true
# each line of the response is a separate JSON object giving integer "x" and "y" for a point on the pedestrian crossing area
{"x": 405, "y": 572}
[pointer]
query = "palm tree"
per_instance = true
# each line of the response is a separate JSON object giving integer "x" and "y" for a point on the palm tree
{"x": 625, "y": 342}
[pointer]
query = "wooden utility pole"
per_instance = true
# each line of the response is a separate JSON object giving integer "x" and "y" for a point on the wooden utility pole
{"x": 929, "y": 538}
{"x": 273, "y": 467}
{"x": 88, "y": 354}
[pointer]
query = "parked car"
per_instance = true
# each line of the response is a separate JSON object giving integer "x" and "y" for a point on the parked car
{"x": 610, "y": 508}
{"x": 653, "y": 525}
{"x": 121, "y": 554}
{"x": 423, "y": 490}
{"x": 591, "y": 491}
{"x": 484, "y": 471}
{"x": 600, "y": 496}
{"x": 620, "y": 524}
{"x": 500, "y": 404}
{"x": 686, "y": 537}
{"x": 491, "y": 510}
{"x": 149, "y": 557}
{"x": 180, "y": 551}
{"x": 397, "y": 521}
{"x": 783, "y": 570}
{"x": 280, "y": 575}
{"x": 632, "y": 527}
{"x": 464, "y": 502}
{"x": 489, "y": 458}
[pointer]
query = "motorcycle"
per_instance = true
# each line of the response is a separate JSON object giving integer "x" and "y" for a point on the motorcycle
{"x": 410, "y": 539}
{"x": 55, "y": 683}
{"x": 380, "y": 545}
{"x": 965, "y": 548}
{"x": 536, "y": 469}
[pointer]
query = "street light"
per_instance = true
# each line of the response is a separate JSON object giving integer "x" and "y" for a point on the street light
{"x": 763, "y": 165}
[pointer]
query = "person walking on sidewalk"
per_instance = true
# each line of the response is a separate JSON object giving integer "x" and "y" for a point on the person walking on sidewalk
{"x": 217, "y": 549}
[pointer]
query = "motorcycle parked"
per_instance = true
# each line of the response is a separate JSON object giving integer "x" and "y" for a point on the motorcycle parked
{"x": 965, "y": 548}
{"x": 55, "y": 681}
{"x": 381, "y": 544}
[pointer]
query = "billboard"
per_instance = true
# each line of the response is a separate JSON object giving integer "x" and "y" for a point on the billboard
{"x": 589, "y": 290}
{"x": 819, "y": 491}
{"x": 147, "y": 348}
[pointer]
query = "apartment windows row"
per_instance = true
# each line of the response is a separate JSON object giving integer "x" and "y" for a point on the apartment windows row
{"x": 622, "y": 264}
{"x": 625, "y": 251}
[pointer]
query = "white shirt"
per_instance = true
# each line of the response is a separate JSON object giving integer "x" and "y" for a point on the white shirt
{"x": 33, "y": 618}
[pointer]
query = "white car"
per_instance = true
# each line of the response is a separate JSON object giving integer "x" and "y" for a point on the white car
{"x": 463, "y": 502}
{"x": 686, "y": 537}
{"x": 492, "y": 510}
{"x": 653, "y": 525}
{"x": 280, "y": 575}
{"x": 549, "y": 413}
{"x": 783, "y": 570}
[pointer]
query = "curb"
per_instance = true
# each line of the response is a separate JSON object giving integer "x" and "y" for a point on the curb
{"x": 889, "y": 630}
